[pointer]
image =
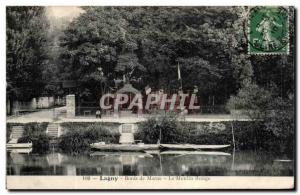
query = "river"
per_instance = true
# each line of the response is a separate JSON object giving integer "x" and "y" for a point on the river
{"x": 167, "y": 163}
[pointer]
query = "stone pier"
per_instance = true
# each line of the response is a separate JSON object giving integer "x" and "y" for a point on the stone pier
{"x": 70, "y": 103}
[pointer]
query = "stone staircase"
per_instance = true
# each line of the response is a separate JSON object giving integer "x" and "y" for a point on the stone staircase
{"x": 53, "y": 130}
{"x": 16, "y": 133}
{"x": 127, "y": 136}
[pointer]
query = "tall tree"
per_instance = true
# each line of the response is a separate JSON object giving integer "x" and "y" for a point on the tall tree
{"x": 26, "y": 54}
{"x": 209, "y": 43}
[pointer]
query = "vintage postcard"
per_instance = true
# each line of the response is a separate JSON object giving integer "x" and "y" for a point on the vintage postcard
{"x": 150, "y": 97}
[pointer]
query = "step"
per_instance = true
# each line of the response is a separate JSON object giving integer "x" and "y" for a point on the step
{"x": 16, "y": 136}
{"x": 17, "y": 132}
{"x": 126, "y": 128}
{"x": 126, "y": 138}
{"x": 13, "y": 141}
{"x": 52, "y": 130}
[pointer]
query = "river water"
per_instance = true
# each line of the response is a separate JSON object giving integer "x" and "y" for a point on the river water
{"x": 167, "y": 163}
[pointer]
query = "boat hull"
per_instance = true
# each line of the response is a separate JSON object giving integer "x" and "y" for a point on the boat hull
{"x": 124, "y": 147}
{"x": 20, "y": 150}
{"x": 148, "y": 147}
{"x": 18, "y": 145}
{"x": 192, "y": 147}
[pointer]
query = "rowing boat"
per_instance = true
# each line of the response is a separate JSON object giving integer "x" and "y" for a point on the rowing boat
{"x": 124, "y": 147}
{"x": 191, "y": 147}
{"x": 109, "y": 154}
{"x": 147, "y": 147}
{"x": 18, "y": 145}
{"x": 197, "y": 152}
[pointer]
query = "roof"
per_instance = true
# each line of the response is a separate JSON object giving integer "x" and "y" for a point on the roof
{"x": 128, "y": 88}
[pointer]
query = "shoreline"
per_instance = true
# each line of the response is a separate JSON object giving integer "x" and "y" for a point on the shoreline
{"x": 126, "y": 120}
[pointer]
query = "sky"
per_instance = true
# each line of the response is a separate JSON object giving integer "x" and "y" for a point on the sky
{"x": 63, "y": 11}
{"x": 60, "y": 16}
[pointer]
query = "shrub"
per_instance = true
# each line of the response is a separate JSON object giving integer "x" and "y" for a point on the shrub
{"x": 36, "y": 133}
{"x": 172, "y": 131}
{"x": 35, "y": 129}
{"x": 79, "y": 139}
{"x": 40, "y": 143}
{"x": 248, "y": 134}
{"x": 252, "y": 99}
{"x": 281, "y": 122}
{"x": 209, "y": 135}
{"x": 30, "y": 129}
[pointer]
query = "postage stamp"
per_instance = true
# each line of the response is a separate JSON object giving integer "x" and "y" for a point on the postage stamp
{"x": 268, "y": 31}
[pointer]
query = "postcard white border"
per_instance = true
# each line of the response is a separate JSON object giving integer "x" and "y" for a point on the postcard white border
{"x": 3, "y": 178}
{"x": 144, "y": 182}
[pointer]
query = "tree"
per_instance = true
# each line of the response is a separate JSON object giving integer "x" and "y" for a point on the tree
{"x": 251, "y": 99}
{"x": 128, "y": 64}
{"x": 26, "y": 55}
{"x": 209, "y": 43}
{"x": 91, "y": 43}
{"x": 52, "y": 70}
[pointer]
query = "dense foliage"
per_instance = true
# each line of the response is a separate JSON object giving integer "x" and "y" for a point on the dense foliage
{"x": 34, "y": 133}
{"x": 79, "y": 137}
{"x": 26, "y": 31}
{"x": 248, "y": 135}
{"x": 106, "y": 45}
{"x": 251, "y": 99}
{"x": 153, "y": 40}
{"x": 162, "y": 129}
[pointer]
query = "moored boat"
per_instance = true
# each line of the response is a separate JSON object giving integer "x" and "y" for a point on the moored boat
{"x": 18, "y": 145}
{"x": 109, "y": 154}
{"x": 197, "y": 152}
{"x": 20, "y": 150}
{"x": 148, "y": 147}
{"x": 124, "y": 147}
{"x": 191, "y": 147}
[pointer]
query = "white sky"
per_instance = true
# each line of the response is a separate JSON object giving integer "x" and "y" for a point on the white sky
{"x": 64, "y": 11}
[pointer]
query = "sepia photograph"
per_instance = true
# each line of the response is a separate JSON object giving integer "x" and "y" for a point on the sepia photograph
{"x": 150, "y": 97}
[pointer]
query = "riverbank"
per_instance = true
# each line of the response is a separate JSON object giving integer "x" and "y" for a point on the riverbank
{"x": 76, "y": 136}
{"x": 47, "y": 116}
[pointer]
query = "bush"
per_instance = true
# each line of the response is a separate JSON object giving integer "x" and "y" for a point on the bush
{"x": 36, "y": 133}
{"x": 40, "y": 143}
{"x": 281, "y": 122}
{"x": 252, "y": 99}
{"x": 79, "y": 139}
{"x": 35, "y": 129}
{"x": 210, "y": 135}
{"x": 249, "y": 135}
{"x": 172, "y": 131}
{"x": 30, "y": 129}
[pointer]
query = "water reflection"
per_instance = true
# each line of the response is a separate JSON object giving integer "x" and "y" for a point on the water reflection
{"x": 171, "y": 163}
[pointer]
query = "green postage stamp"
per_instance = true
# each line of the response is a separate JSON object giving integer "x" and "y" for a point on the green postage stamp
{"x": 268, "y": 31}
